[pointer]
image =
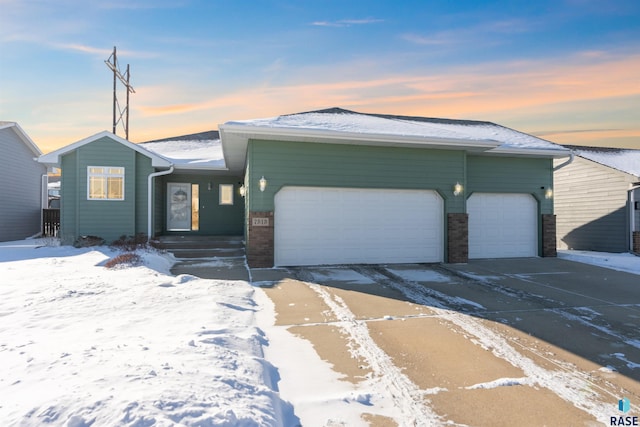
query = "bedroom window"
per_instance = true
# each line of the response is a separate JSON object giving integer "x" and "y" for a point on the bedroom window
{"x": 105, "y": 183}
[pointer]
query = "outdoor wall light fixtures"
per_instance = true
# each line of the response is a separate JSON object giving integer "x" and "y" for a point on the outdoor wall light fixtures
{"x": 243, "y": 190}
{"x": 209, "y": 186}
{"x": 457, "y": 189}
{"x": 548, "y": 194}
{"x": 262, "y": 183}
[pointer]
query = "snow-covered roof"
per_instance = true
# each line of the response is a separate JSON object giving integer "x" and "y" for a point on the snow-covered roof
{"x": 190, "y": 154}
{"x": 339, "y": 120}
{"x": 622, "y": 159}
{"x": 335, "y": 124}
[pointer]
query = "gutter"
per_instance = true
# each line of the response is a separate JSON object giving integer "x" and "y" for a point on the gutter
{"x": 150, "y": 197}
{"x": 567, "y": 163}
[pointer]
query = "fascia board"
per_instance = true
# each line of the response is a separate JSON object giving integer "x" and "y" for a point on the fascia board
{"x": 338, "y": 137}
{"x": 53, "y": 158}
{"x": 27, "y": 140}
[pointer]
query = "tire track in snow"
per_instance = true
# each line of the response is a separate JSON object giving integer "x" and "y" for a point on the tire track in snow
{"x": 570, "y": 385}
{"x": 407, "y": 397}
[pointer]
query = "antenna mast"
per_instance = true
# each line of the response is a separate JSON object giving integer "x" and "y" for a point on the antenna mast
{"x": 118, "y": 112}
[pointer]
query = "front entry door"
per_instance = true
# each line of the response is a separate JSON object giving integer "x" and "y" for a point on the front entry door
{"x": 178, "y": 206}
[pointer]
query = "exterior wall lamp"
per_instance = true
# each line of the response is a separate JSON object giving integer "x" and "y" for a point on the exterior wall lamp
{"x": 548, "y": 194}
{"x": 243, "y": 190}
{"x": 457, "y": 189}
{"x": 262, "y": 183}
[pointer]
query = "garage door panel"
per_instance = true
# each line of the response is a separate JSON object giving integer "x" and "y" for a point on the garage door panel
{"x": 357, "y": 226}
{"x": 502, "y": 225}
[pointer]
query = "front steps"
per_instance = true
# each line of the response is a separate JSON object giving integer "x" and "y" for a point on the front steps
{"x": 207, "y": 257}
{"x": 190, "y": 247}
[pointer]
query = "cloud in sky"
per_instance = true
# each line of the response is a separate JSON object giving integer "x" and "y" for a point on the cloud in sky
{"x": 482, "y": 88}
{"x": 475, "y": 34}
{"x": 550, "y": 65}
{"x": 501, "y": 90}
{"x": 347, "y": 22}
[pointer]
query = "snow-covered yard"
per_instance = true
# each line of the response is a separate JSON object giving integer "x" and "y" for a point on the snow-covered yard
{"x": 621, "y": 262}
{"x": 84, "y": 345}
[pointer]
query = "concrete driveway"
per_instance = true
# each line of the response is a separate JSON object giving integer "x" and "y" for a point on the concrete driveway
{"x": 489, "y": 343}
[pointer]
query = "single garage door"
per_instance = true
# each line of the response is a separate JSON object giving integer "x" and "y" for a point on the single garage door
{"x": 502, "y": 225}
{"x": 315, "y": 226}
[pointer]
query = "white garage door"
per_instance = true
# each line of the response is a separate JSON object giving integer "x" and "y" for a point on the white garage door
{"x": 502, "y": 225}
{"x": 315, "y": 226}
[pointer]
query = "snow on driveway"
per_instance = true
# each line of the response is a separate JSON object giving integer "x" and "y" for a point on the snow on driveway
{"x": 84, "y": 345}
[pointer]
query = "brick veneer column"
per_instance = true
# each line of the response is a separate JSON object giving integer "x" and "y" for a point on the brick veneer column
{"x": 549, "y": 235}
{"x": 458, "y": 237}
{"x": 260, "y": 240}
{"x": 636, "y": 242}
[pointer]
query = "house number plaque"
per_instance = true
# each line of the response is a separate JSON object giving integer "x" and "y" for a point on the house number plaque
{"x": 260, "y": 222}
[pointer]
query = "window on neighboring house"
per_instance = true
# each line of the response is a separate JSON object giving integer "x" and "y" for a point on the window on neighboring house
{"x": 226, "y": 194}
{"x": 105, "y": 183}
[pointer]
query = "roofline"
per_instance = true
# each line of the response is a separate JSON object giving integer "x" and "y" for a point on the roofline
{"x": 178, "y": 166}
{"x": 53, "y": 158}
{"x": 531, "y": 152}
{"x": 364, "y": 138}
{"x": 614, "y": 169}
{"x": 23, "y": 136}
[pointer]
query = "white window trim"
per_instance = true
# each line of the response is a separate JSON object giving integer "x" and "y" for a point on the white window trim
{"x": 225, "y": 203}
{"x": 105, "y": 175}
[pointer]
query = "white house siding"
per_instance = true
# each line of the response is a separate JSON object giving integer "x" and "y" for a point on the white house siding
{"x": 591, "y": 207}
{"x": 20, "y": 188}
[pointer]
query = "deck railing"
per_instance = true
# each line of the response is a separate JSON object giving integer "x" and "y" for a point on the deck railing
{"x": 50, "y": 222}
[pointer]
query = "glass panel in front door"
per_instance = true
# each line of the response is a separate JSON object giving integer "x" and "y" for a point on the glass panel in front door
{"x": 178, "y": 207}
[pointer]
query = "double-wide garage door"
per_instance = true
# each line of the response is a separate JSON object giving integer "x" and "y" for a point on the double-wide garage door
{"x": 318, "y": 225}
{"x": 502, "y": 225}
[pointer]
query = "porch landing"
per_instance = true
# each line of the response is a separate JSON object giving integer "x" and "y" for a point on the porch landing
{"x": 207, "y": 257}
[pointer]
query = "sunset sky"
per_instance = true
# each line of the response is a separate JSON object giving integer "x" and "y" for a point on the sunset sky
{"x": 565, "y": 70}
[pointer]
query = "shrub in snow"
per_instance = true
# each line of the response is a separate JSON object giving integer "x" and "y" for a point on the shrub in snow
{"x": 131, "y": 243}
{"x": 125, "y": 260}
{"x": 87, "y": 241}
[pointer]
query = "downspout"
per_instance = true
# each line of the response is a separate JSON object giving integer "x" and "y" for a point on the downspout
{"x": 567, "y": 163}
{"x": 150, "y": 198}
{"x": 632, "y": 214}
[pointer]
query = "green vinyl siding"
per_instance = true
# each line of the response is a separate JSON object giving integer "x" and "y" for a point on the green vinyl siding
{"x": 215, "y": 219}
{"x": 108, "y": 219}
{"x": 511, "y": 175}
{"x": 356, "y": 166}
{"x": 69, "y": 198}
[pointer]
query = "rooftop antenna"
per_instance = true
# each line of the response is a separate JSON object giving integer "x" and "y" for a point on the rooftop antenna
{"x": 118, "y": 112}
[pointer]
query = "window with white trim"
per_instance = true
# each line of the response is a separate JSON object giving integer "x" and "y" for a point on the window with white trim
{"x": 226, "y": 194}
{"x": 105, "y": 183}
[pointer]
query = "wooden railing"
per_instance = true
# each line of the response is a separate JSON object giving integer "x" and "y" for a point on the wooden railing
{"x": 50, "y": 222}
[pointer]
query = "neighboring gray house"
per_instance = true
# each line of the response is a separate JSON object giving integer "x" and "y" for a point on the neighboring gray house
{"x": 21, "y": 188}
{"x": 597, "y": 200}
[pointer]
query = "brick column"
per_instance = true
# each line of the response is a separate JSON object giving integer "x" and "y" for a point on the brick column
{"x": 636, "y": 242}
{"x": 260, "y": 240}
{"x": 549, "y": 235}
{"x": 457, "y": 238}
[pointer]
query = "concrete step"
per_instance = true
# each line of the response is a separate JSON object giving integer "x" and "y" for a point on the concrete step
{"x": 172, "y": 243}
{"x": 208, "y": 252}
